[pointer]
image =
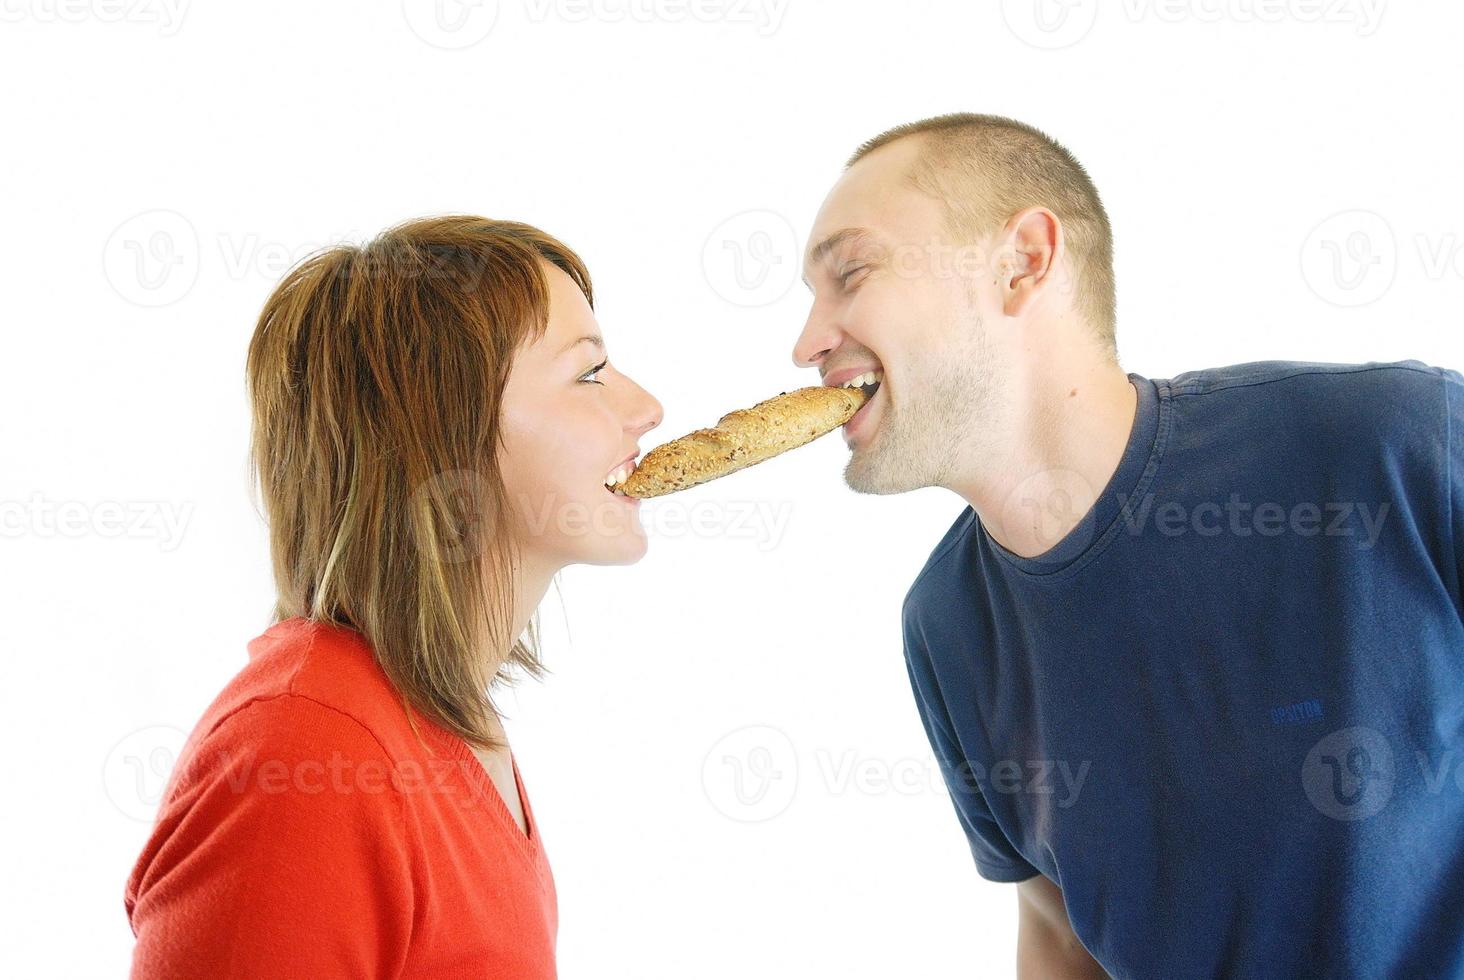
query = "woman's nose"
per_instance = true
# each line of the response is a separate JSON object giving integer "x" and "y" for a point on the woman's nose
{"x": 646, "y": 412}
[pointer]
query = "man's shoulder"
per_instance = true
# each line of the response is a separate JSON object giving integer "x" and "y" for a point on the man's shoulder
{"x": 1315, "y": 379}
{"x": 948, "y": 549}
{"x": 1345, "y": 407}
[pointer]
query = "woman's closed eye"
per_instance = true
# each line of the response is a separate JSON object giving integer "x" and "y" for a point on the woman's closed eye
{"x": 847, "y": 275}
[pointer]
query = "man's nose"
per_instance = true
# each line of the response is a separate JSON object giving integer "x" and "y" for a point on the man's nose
{"x": 818, "y": 338}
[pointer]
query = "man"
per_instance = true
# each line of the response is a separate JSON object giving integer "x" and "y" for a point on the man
{"x": 1192, "y": 659}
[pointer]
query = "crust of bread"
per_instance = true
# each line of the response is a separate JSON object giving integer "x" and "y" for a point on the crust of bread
{"x": 744, "y": 438}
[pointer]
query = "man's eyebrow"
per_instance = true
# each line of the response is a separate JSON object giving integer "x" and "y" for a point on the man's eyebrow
{"x": 587, "y": 339}
{"x": 823, "y": 248}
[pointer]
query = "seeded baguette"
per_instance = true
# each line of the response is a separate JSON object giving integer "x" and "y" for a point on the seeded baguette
{"x": 742, "y": 438}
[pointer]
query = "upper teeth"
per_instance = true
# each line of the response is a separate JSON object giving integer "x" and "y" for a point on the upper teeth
{"x": 867, "y": 378}
{"x": 620, "y": 474}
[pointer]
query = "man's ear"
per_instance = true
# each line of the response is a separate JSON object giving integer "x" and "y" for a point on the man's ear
{"x": 1028, "y": 258}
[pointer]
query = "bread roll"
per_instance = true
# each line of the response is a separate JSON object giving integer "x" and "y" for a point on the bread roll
{"x": 743, "y": 438}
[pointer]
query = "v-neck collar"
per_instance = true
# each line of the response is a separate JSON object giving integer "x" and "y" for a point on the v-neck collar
{"x": 478, "y": 779}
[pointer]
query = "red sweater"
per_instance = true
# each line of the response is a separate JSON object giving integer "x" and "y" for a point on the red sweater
{"x": 305, "y": 832}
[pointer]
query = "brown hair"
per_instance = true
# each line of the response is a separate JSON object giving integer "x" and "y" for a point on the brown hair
{"x": 987, "y": 168}
{"x": 375, "y": 376}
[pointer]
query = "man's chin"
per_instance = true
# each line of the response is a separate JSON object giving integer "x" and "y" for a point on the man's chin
{"x": 875, "y": 473}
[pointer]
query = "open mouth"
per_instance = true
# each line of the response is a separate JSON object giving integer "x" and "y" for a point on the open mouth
{"x": 617, "y": 478}
{"x": 870, "y": 382}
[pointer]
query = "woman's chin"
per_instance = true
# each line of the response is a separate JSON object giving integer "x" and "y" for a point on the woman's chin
{"x": 635, "y": 547}
{"x": 619, "y": 549}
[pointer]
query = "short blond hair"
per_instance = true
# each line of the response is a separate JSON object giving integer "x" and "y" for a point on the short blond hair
{"x": 987, "y": 168}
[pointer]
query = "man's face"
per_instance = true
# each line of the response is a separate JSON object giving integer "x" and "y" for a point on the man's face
{"x": 893, "y": 294}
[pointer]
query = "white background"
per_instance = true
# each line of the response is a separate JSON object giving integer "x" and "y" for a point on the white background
{"x": 221, "y": 142}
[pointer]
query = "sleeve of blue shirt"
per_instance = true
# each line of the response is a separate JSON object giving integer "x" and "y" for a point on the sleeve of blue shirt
{"x": 996, "y": 858}
{"x": 1454, "y": 413}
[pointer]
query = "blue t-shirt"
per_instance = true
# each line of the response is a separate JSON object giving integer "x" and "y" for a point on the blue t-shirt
{"x": 1225, "y": 714}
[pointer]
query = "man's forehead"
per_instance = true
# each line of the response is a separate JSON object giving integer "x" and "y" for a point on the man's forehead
{"x": 872, "y": 201}
{"x": 904, "y": 216}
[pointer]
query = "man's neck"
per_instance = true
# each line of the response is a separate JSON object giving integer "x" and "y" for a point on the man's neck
{"x": 1065, "y": 438}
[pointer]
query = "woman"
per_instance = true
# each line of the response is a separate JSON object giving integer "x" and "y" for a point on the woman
{"x": 435, "y": 428}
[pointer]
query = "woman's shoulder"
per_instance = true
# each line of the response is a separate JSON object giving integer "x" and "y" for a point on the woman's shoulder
{"x": 307, "y": 679}
{"x": 284, "y": 790}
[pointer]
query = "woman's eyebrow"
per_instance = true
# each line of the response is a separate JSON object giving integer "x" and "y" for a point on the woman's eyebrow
{"x": 589, "y": 339}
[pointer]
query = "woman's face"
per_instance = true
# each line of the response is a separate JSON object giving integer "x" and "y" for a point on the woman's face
{"x": 570, "y": 420}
